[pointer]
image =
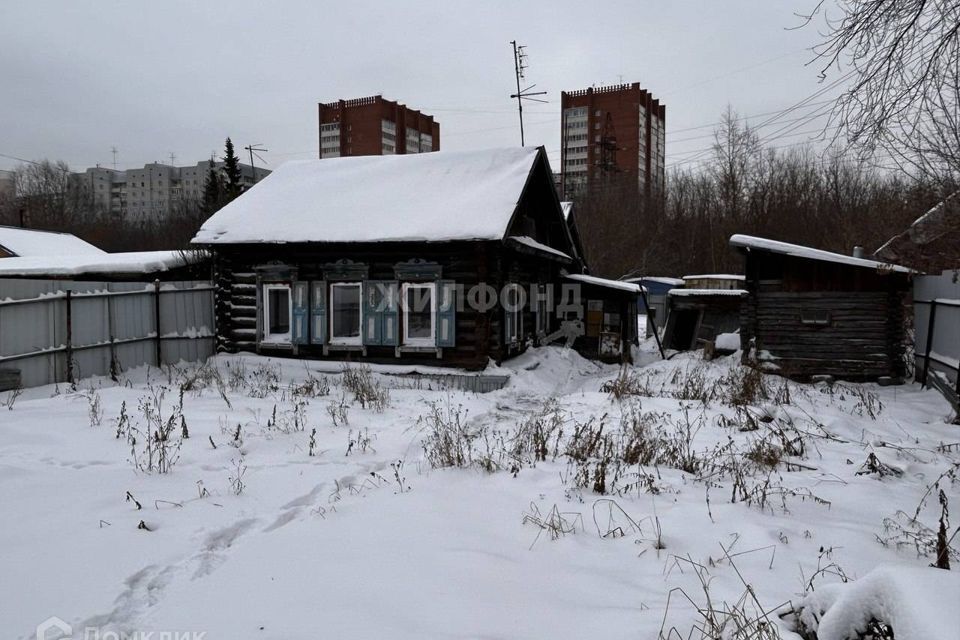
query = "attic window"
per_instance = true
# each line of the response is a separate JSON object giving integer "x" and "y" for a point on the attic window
{"x": 819, "y": 317}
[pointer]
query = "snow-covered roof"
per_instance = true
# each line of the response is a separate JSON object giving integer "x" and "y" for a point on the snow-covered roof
{"x": 676, "y": 282}
{"x": 928, "y": 227}
{"x": 603, "y": 282}
{"x": 714, "y": 276}
{"x": 107, "y": 263}
{"x": 31, "y": 242}
{"x": 444, "y": 195}
{"x": 527, "y": 241}
{"x": 707, "y": 292}
{"x": 798, "y": 251}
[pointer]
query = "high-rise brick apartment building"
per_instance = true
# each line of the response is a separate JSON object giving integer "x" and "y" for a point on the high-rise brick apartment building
{"x": 610, "y": 131}
{"x": 373, "y": 126}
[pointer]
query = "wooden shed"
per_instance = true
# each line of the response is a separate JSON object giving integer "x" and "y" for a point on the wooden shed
{"x": 811, "y": 312}
{"x": 695, "y": 317}
{"x": 452, "y": 258}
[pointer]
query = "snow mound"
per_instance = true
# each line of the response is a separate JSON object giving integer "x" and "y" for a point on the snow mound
{"x": 728, "y": 341}
{"x": 918, "y": 603}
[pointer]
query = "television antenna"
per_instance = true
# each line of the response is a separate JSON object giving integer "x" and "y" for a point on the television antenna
{"x": 253, "y": 149}
{"x": 520, "y": 65}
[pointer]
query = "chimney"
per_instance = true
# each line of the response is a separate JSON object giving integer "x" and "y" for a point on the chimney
{"x": 858, "y": 251}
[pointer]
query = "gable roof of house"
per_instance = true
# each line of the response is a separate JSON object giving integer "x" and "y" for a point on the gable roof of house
{"x": 439, "y": 196}
{"x": 30, "y": 242}
{"x": 797, "y": 251}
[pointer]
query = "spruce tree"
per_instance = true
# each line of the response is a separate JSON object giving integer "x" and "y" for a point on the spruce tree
{"x": 231, "y": 170}
{"x": 212, "y": 190}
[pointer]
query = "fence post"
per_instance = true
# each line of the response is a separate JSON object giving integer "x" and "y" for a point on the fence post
{"x": 931, "y": 323}
{"x": 156, "y": 314}
{"x": 114, "y": 368}
{"x": 68, "y": 347}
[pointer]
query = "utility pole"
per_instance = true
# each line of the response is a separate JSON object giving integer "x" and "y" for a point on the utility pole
{"x": 519, "y": 65}
{"x": 252, "y": 149}
{"x": 173, "y": 159}
{"x": 113, "y": 150}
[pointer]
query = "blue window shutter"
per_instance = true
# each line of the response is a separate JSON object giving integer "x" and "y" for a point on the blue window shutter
{"x": 298, "y": 328}
{"x": 390, "y": 318}
{"x": 372, "y": 319}
{"x": 318, "y": 312}
{"x": 446, "y": 313}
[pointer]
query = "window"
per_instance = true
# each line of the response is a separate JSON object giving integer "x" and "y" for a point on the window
{"x": 276, "y": 312}
{"x": 815, "y": 316}
{"x": 513, "y": 308}
{"x": 543, "y": 319}
{"x": 345, "y": 313}
{"x": 419, "y": 313}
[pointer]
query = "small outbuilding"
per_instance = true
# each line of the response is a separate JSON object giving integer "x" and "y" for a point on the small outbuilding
{"x": 21, "y": 242}
{"x": 453, "y": 258}
{"x": 656, "y": 289}
{"x": 810, "y": 312}
{"x": 695, "y": 317}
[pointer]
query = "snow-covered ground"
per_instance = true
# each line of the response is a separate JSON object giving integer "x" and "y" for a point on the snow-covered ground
{"x": 248, "y": 535}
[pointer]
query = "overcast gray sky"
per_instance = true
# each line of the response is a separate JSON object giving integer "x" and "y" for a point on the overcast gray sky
{"x": 153, "y": 78}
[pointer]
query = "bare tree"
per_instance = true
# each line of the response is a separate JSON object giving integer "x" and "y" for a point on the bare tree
{"x": 904, "y": 92}
{"x": 48, "y": 195}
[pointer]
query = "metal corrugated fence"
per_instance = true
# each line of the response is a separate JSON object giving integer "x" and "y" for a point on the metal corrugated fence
{"x": 61, "y": 331}
{"x": 936, "y": 302}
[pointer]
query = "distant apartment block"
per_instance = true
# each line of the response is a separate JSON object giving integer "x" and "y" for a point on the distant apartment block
{"x": 373, "y": 126}
{"x": 157, "y": 189}
{"x": 612, "y": 131}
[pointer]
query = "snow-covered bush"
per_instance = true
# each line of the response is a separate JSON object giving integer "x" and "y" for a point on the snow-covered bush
{"x": 902, "y": 602}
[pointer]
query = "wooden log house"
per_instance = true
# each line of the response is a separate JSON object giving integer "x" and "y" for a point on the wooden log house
{"x": 447, "y": 258}
{"x": 810, "y": 312}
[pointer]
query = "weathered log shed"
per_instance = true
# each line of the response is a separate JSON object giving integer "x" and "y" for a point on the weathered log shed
{"x": 443, "y": 258}
{"x": 810, "y": 312}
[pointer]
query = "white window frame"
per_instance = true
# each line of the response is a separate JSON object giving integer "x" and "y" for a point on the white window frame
{"x": 542, "y": 315}
{"x": 277, "y": 338}
{"x": 420, "y": 342}
{"x": 358, "y": 339}
{"x": 517, "y": 314}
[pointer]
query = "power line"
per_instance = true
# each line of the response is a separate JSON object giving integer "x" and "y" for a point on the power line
{"x": 798, "y": 105}
{"x": 4, "y": 155}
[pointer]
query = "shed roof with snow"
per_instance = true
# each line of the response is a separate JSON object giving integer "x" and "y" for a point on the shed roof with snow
{"x": 749, "y": 243}
{"x": 106, "y": 266}
{"x": 440, "y": 196}
{"x": 20, "y": 242}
